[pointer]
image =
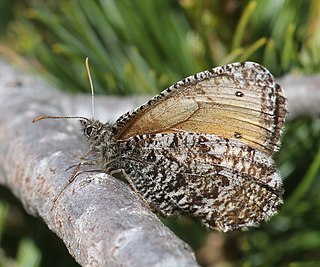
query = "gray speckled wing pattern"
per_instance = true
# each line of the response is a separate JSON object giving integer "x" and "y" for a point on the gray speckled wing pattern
{"x": 202, "y": 147}
{"x": 223, "y": 183}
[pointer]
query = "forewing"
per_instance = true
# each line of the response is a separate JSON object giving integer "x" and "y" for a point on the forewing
{"x": 239, "y": 100}
{"x": 223, "y": 183}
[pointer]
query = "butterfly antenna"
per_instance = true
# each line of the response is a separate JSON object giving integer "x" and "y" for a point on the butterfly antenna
{"x": 58, "y": 117}
{"x": 91, "y": 87}
{"x": 74, "y": 117}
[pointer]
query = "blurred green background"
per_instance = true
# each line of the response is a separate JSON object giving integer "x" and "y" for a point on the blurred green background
{"x": 141, "y": 47}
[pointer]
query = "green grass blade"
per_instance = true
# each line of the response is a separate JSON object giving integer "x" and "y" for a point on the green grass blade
{"x": 239, "y": 33}
{"x": 28, "y": 254}
{"x": 306, "y": 182}
{"x": 3, "y": 215}
{"x": 253, "y": 48}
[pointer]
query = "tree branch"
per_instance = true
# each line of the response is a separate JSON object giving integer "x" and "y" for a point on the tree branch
{"x": 303, "y": 94}
{"x": 99, "y": 218}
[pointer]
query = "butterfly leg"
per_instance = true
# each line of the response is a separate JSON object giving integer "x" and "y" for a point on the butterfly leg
{"x": 71, "y": 179}
{"x": 75, "y": 173}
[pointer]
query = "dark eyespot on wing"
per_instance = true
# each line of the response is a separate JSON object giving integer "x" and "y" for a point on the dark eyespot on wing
{"x": 220, "y": 100}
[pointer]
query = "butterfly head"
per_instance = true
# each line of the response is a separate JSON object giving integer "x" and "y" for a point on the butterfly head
{"x": 91, "y": 128}
{"x": 95, "y": 131}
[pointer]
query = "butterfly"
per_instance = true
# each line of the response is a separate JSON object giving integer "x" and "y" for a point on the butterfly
{"x": 202, "y": 147}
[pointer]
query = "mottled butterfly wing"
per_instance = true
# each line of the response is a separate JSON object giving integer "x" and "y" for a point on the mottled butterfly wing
{"x": 239, "y": 100}
{"x": 203, "y": 147}
{"x": 223, "y": 183}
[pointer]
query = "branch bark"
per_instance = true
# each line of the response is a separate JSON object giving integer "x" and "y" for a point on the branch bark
{"x": 303, "y": 95}
{"x": 99, "y": 218}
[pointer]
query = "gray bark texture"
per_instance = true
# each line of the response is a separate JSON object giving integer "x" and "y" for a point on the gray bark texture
{"x": 99, "y": 218}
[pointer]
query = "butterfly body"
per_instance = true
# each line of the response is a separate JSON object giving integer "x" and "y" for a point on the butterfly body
{"x": 202, "y": 147}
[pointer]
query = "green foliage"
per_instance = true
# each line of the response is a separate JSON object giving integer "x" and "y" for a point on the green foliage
{"x": 139, "y": 46}
{"x": 27, "y": 241}
{"x": 3, "y": 215}
{"x": 292, "y": 237}
{"x": 133, "y": 46}
{"x": 28, "y": 255}
{"x": 6, "y": 15}
{"x": 144, "y": 46}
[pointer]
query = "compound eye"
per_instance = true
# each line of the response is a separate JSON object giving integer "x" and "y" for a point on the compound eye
{"x": 88, "y": 131}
